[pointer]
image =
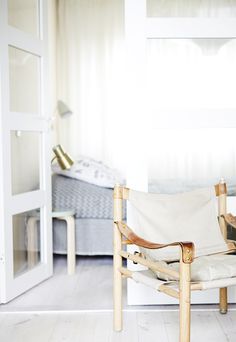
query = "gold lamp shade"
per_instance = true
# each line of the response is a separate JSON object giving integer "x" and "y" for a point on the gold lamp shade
{"x": 63, "y": 159}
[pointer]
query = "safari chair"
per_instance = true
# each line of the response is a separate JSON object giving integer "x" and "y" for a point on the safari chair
{"x": 182, "y": 243}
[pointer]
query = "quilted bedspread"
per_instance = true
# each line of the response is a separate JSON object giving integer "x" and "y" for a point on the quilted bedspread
{"x": 88, "y": 200}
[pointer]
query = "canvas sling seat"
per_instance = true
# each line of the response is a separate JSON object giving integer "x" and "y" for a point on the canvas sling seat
{"x": 208, "y": 272}
{"x": 182, "y": 241}
{"x": 205, "y": 268}
{"x": 149, "y": 279}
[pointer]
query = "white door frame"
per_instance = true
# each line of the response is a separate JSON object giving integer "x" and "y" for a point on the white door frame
{"x": 11, "y": 286}
{"x": 139, "y": 28}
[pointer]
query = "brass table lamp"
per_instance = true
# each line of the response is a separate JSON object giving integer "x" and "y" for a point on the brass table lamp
{"x": 64, "y": 160}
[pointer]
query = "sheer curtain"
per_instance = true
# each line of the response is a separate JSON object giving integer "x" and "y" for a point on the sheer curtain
{"x": 91, "y": 78}
{"x": 90, "y": 56}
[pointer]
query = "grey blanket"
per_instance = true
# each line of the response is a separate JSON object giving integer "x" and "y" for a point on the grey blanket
{"x": 94, "y": 212}
{"x": 88, "y": 200}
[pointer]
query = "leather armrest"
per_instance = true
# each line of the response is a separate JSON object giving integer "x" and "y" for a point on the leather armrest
{"x": 230, "y": 220}
{"x": 186, "y": 246}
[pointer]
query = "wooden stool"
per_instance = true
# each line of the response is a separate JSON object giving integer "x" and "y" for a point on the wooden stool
{"x": 32, "y": 244}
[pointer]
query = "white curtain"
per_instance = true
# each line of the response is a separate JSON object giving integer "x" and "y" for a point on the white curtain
{"x": 90, "y": 79}
{"x": 90, "y": 57}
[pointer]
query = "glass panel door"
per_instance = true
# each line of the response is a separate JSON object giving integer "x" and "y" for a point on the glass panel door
{"x": 183, "y": 79}
{"x": 24, "y": 15}
{"x": 25, "y": 170}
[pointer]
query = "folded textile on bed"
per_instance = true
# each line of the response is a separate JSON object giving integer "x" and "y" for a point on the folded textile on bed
{"x": 92, "y": 171}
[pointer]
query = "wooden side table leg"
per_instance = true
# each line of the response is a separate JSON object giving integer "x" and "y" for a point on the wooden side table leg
{"x": 71, "y": 257}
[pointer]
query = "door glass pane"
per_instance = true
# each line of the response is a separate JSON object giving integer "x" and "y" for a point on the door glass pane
{"x": 24, "y": 79}
{"x": 191, "y": 73}
{"x": 192, "y": 79}
{"x": 26, "y": 241}
{"x": 184, "y": 8}
{"x": 24, "y": 15}
{"x": 25, "y": 159}
{"x": 182, "y": 159}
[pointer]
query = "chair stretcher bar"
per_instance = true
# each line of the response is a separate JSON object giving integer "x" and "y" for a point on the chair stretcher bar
{"x": 151, "y": 264}
{"x": 153, "y": 283}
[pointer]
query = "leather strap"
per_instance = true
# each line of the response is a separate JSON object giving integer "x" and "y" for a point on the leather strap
{"x": 230, "y": 220}
{"x": 186, "y": 246}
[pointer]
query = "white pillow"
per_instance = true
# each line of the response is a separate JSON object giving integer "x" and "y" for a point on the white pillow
{"x": 91, "y": 171}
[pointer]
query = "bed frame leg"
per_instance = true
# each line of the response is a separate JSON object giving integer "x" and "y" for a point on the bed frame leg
{"x": 223, "y": 300}
{"x": 184, "y": 302}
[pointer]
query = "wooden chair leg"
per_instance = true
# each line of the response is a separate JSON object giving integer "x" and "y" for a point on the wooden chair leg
{"x": 117, "y": 263}
{"x": 223, "y": 300}
{"x": 117, "y": 292}
{"x": 184, "y": 302}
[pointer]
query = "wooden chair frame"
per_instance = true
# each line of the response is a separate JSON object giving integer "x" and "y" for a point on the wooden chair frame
{"x": 123, "y": 235}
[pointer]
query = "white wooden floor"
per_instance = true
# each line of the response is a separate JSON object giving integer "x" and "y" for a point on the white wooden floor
{"x": 78, "y": 308}
{"x": 90, "y": 288}
{"x": 97, "y": 327}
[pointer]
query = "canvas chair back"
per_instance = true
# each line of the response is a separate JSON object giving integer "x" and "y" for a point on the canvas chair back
{"x": 189, "y": 216}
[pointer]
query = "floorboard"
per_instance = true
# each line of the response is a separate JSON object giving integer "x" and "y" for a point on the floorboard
{"x": 151, "y": 325}
{"x": 90, "y": 288}
{"x": 228, "y": 323}
{"x": 79, "y": 308}
{"x": 97, "y": 327}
